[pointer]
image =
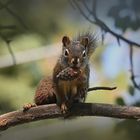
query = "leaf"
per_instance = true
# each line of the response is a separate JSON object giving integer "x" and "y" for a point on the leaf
{"x": 131, "y": 90}
{"x": 120, "y": 101}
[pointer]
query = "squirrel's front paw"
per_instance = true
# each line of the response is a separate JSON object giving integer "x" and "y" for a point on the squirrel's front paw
{"x": 28, "y": 106}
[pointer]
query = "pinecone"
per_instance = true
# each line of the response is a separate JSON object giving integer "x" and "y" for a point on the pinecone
{"x": 68, "y": 74}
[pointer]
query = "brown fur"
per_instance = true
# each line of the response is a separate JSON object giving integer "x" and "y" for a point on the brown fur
{"x": 70, "y": 89}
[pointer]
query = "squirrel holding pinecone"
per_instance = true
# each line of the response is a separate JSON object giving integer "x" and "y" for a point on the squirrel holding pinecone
{"x": 70, "y": 80}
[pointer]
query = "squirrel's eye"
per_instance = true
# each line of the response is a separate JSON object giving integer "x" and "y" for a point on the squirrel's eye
{"x": 84, "y": 53}
{"x": 66, "y": 53}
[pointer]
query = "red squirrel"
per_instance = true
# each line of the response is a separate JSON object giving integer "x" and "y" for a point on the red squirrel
{"x": 70, "y": 81}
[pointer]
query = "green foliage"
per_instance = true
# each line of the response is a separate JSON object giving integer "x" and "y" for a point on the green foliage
{"x": 25, "y": 17}
{"x": 126, "y": 14}
{"x": 17, "y": 86}
{"x": 120, "y": 101}
{"x": 131, "y": 90}
{"x": 5, "y": 105}
{"x": 10, "y": 71}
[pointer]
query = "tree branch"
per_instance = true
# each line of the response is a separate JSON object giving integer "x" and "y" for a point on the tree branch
{"x": 80, "y": 109}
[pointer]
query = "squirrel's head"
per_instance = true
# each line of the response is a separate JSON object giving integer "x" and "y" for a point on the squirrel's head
{"x": 74, "y": 53}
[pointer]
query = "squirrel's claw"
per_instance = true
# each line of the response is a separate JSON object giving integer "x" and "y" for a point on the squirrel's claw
{"x": 28, "y": 106}
{"x": 63, "y": 108}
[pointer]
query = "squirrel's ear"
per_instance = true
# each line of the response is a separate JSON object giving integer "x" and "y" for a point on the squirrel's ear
{"x": 65, "y": 40}
{"x": 84, "y": 41}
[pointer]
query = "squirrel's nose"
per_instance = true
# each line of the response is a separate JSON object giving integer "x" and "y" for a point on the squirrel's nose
{"x": 75, "y": 61}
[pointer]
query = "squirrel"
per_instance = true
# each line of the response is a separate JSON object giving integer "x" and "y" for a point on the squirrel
{"x": 70, "y": 80}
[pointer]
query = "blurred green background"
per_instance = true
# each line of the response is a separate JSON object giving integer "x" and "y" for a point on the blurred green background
{"x": 34, "y": 29}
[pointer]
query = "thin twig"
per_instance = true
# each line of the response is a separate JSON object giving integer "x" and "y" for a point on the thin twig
{"x": 101, "y": 24}
{"x": 71, "y": 3}
{"x": 132, "y": 69}
{"x": 11, "y": 52}
{"x": 6, "y": 5}
{"x": 15, "y": 16}
{"x": 101, "y": 88}
{"x": 82, "y": 12}
{"x": 94, "y": 5}
{"x": 9, "y": 48}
